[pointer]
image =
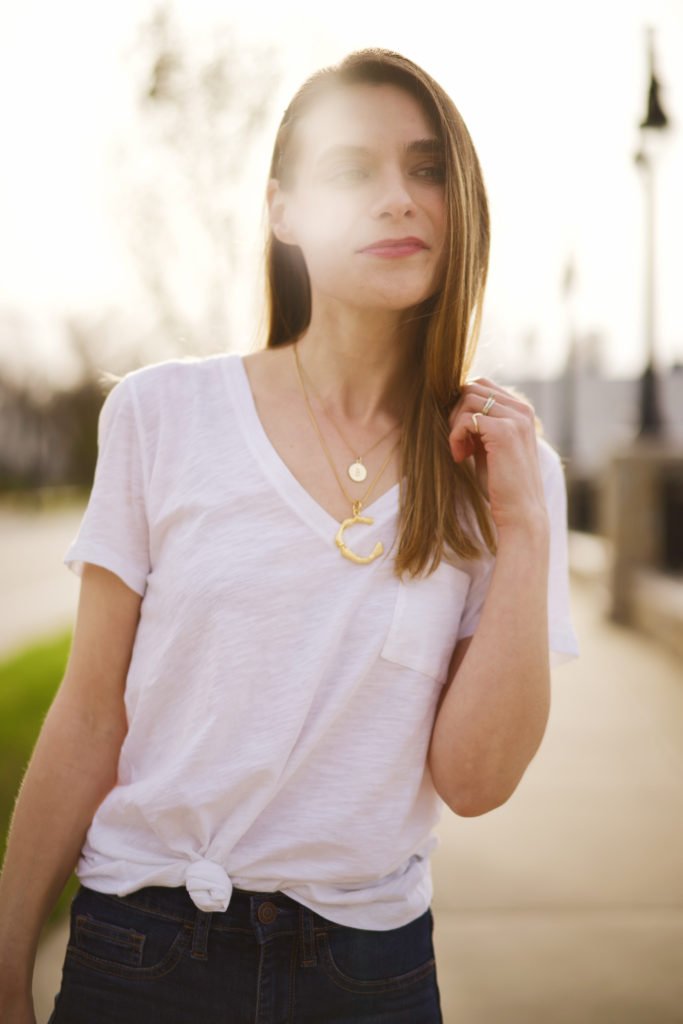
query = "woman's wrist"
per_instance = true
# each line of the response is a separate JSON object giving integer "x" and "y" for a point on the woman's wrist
{"x": 531, "y": 531}
{"x": 17, "y": 960}
{"x": 16, "y": 980}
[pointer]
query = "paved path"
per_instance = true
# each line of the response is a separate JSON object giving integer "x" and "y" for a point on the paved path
{"x": 38, "y": 594}
{"x": 565, "y": 906}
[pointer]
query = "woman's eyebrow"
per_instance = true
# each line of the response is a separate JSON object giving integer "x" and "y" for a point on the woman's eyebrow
{"x": 338, "y": 151}
{"x": 428, "y": 147}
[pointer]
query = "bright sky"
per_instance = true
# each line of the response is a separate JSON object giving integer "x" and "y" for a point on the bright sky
{"x": 552, "y": 98}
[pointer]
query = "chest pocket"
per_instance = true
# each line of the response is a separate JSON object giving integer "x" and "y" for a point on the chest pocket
{"x": 424, "y": 627}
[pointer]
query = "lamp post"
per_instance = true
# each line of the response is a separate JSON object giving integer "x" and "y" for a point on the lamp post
{"x": 655, "y": 121}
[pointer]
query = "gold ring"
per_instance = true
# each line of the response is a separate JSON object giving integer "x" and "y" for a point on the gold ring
{"x": 474, "y": 417}
{"x": 487, "y": 405}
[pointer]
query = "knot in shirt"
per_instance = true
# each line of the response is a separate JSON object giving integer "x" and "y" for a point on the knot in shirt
{"x": 209, "y": 886}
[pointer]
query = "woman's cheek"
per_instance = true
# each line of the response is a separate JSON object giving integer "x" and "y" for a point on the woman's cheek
{"x": 324, "y": 252}
{"x": 327, "y": 219}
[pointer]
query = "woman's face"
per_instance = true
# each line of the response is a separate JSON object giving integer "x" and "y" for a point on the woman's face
{"x": 366, "y": 203}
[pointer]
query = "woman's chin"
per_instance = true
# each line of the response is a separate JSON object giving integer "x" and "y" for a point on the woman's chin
{"x": 391, "y": 300}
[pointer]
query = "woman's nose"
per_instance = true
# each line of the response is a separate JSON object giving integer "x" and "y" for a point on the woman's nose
{"x": 393, "y": 198}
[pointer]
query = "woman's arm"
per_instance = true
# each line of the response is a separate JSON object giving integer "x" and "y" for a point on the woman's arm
{"x": 495, "y": 706}
{"x": 73, "y": 767}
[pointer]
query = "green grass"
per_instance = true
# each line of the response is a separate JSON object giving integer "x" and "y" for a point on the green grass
{"x": 28, "y": 683}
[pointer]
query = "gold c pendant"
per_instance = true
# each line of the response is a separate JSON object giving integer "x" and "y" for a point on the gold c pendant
{"x": 347, "y": 552}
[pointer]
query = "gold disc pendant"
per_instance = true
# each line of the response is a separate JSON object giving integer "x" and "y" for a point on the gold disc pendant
{"x": 347, "y": 552}
{"x": 357, "y": 471}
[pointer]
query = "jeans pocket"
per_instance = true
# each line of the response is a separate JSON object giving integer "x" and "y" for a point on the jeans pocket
{"x": 120, "y": 941}
{"x": 365, "y": 961}
{"x": 108, "y": 941}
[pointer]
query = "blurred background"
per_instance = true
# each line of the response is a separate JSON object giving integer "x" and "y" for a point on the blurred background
{"x": 136, "y": 143}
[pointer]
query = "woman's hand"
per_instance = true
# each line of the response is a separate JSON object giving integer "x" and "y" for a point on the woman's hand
{"x": 17, "y": 1009}
{"x": 504, "y": 448}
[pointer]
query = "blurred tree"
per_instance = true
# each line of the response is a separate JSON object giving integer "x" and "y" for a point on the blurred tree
{"x": 199, "y": 107}
{"x": 202, "y": 103}
{"x": 48, "y": 430}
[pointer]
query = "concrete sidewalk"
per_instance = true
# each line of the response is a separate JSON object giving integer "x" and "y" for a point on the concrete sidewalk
{"x": 38, "y": 595}
{"x": 565, "y": 906}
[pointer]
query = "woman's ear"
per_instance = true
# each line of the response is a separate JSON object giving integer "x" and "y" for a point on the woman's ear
{"x": 278, "y": 209}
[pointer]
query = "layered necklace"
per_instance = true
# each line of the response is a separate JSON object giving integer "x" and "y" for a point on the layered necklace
{"x": 357, "y": 468}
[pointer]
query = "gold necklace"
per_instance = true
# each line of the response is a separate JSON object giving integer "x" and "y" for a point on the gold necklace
{"x": 356, "y": 506}
{"x": 357, "y": 470}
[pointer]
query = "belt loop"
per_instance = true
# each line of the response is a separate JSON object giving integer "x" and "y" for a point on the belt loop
{"x": 307, "y": 933}
{"x": 200, "y": 935}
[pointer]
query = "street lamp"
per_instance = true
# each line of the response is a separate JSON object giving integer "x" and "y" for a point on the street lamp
{"x": 655, "y": 121}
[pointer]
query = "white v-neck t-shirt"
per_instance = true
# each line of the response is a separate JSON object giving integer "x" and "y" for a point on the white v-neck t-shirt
{"x": 280, "y": 698}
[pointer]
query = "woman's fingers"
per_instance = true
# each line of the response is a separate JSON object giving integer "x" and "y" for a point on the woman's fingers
{"x": 485, "y": 394}
{"x": 478, "y": 401}
{"x": 498, "y": 429}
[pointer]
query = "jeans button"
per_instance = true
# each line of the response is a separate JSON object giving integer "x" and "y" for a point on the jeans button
{"x": 267, "y": 912}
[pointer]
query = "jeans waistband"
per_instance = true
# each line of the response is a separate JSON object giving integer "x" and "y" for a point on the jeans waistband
{"x": 247, "y": 909}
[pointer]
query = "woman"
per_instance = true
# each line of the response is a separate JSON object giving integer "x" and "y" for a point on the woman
{"x": 320, "y": 584}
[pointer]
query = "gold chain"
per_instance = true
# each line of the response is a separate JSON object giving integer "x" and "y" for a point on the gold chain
{"x": 355, "y": 505}
{"x": 360, "y": 455}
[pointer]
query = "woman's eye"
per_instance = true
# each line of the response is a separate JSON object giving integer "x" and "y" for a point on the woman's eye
{"x": 433, "y": 172}
{"x": 348, "y": 175}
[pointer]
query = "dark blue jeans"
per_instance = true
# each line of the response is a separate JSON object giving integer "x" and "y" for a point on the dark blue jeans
{"x": 153, "y": 958}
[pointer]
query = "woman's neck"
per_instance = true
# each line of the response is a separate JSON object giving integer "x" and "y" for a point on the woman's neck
{"x": 359, "y": 363}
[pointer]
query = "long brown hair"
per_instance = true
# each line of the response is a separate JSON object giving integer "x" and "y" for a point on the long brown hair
{"x": 439, "y": 494}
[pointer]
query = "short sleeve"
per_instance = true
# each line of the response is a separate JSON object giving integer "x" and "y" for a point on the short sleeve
{"x": 561, "y": 636}
{"x": 479, "y": 572}
{"x": 114, "y": 530}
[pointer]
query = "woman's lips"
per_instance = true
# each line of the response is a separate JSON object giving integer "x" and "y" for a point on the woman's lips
{"x": 393, "y": 248}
